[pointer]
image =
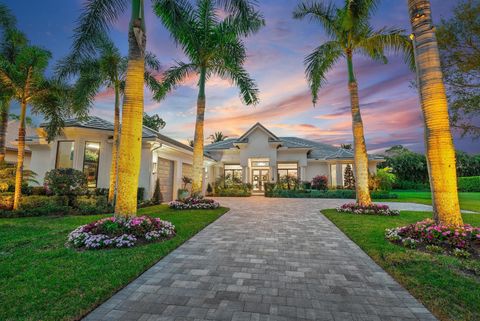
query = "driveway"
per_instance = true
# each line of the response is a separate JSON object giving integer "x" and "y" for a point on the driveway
{"x": 266, "y": 259}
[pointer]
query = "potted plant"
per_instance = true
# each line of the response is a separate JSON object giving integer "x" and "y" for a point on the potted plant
{"x": 183, "y": 192}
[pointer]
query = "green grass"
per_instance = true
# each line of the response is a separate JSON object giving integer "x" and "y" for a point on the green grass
{"x": 444, "y": 284}
{"x": 468, "y": 201}
{"x": 40, "y": 279}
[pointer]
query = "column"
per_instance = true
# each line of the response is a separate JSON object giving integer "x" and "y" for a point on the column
{"x": 245, "y": 174}
{"x": 303, "y": 173}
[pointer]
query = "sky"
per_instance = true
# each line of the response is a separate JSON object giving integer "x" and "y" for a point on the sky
{"x": 389, "y": 105}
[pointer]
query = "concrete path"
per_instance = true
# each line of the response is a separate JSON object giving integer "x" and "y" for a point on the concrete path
{"x": 266, "y": 259}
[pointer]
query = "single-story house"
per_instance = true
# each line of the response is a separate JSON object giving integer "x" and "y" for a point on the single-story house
{"x": 11, "y": 143}
{"x": 258, "y": 156}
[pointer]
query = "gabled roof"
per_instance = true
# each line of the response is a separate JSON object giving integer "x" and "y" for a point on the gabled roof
{"x": 271, "y": 136}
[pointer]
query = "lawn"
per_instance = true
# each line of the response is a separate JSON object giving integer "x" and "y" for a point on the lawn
{"x": 447, "y": 286}
{"x": 40, "y": 279}
{"x": 468, "y": 201}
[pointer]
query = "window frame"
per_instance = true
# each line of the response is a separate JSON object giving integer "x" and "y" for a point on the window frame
{"x": 233, "y": 171}
{"x": 58, "y": 149}
{"x": 98, "y": 161}
{"x": 297, "y": 170}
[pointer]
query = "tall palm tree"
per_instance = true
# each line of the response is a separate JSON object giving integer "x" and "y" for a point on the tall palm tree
{"x": 350, "y": 32}
{"x": 438, "y": 138}
{"x": 26, "y": 80}
{"x": 213, "y": 47}
{"x": 218, "y": 137}
{"x": 10, "y": 43}
{"x": 106, "y": 69}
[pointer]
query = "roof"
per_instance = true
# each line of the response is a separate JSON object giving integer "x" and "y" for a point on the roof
{"x": 317, "y": 150}
{"x": 94, "y": 122}
{"x": 271, "y": 136}
{"x": 12, "y": 135}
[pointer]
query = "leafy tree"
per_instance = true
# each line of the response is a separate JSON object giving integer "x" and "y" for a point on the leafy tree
{"x": 213, "y": 47}
{"x": 406, "y": 165}
{"x": 154, "y": 121}
{"x": 467, "y": 165}
{"x": 350, "y": 32}
{"x": 459, "y": 44}
{"x": 105, "y": 68}
{"x": 218, "y": 137}
{"x": 439, "y": 146}
{"x": 383, "y": 180}
{"x": 346, "y": 146}
{"x": 348, "y": 178}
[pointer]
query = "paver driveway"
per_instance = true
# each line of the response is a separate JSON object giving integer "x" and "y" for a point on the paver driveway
{"x": 267, "y": 259}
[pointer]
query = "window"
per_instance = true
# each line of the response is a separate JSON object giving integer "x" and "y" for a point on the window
{"x": 260, "y": 163}
{"x": 90, "y": 163}
{"x": 290, "y": 170}
{"x": 233, "y": 172}
{"x": 333, "y": 175}
{"x": 65, "y": 154}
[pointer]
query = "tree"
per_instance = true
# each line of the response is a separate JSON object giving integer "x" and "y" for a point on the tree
{"x": 11, "y": 41}
{"x": 218, "y": 137}
{"x": 154, "y": 121}
{"x": 213, "y": 47}
{"x": 438, "y": 138}
{"x": 191, "y": 142}
{"x": 346, "y": 146}
{"x": 26, "y": 80}
{"x": 106, "y": 68}
{"x": 348, "y": 178}
{"x": 351, "y": 33}
{"x": 459, "y": 44}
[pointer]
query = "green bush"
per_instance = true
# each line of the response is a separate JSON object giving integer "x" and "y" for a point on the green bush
{"x": 6, "y": 201}
{"x": 469, "y": 184}
{"x": 383, "y": 180}
{"x": 86, "y": 205}
{"x": 409, "y": 185}
{"x": 38, "y": 190}
{"x": 140, "y": 194}
{"x": 336, "y": 193}
{"x": 233, "y": 192}
{"x": 38, "y": 201}
{"x": 66, "y": 182}
{"x": 232, "y": 187}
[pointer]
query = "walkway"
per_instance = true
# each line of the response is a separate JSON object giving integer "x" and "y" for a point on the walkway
{"x": 267, "y": 259}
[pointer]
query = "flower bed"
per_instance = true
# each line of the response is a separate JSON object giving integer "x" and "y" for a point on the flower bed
{"x": 460, "y": 241}
{"x": 114, "y": 232}
{"x": 194, "y": 203}
{"x": 373, "y": 209}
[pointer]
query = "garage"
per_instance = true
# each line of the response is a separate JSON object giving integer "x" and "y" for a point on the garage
{"x": 165, "y": 175}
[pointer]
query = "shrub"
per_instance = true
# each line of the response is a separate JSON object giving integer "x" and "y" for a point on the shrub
{"x": 38, "y": 190}
{"x": 116, "y": 232}
{"x": 140, "y": 194}
{"x": 288, "y": 182}
{"x": 157, "y": 193}
{"x": 6, "y": 201}
{"x": 101, "y": 191}
{"x": 373, "y": 209}
{"x": 409, "y": 185}
{"x": 469, "y": 184}
{"x": 383, "y": 180}
{"x": 7, "y": 178}
{"x": 427, "y": 233}
{"x": 320, "y": 182}
{"x": 66, "y": 182}
{"x": 93, "y": 204}
{"x": 234, "y": 192}
{"x": 209, "y": 189}
{"x": 349, "y": 179}
{"x": 194, "y": 202}
{"x": 41, "y": 205}
{"x": 232, "y": 187}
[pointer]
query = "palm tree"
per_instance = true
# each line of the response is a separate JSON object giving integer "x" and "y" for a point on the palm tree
{"x": 350, "y": 32}
{"x": 10, "y": 43}
{"x": 26, "y": 80}
{"x": 438, "y": 138}
{"x": 213, "y": 47}
{"x": 218, "y": 137}
{"x": 106, "y": 69}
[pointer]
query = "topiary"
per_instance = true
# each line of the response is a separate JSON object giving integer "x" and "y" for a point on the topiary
{"x": 157, "y": 193}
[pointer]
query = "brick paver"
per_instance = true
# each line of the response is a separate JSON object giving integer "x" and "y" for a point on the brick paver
{"x": 266, "y": 259}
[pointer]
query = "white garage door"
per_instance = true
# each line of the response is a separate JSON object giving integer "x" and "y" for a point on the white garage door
{"x": 165, "y": 174}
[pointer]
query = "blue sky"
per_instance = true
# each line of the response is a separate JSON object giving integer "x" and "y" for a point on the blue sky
{"x": 389, "y": 105}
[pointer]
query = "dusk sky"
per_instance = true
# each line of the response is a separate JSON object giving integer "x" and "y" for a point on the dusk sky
{"x": 390, "y": 107}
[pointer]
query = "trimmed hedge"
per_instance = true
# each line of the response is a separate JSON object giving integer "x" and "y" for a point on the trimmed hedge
{"x": 233, "y": 192}
{"x": 339, "y": 193}
{"x": 469, "y": 184}
{"x": 91, "y": 204}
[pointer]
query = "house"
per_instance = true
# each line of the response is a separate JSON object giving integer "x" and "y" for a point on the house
{"x": 11, "y": 143}
{"x": 86, "y": 145}
{"x": 259, "y": 156}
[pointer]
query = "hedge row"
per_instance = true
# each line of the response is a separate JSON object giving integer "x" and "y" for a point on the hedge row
{"x": 469, "y": 184}
{"x": 339, "y": 193}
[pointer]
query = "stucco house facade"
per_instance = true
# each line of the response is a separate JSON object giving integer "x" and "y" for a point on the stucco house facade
{"x": 259, "y": 156}
{"x": 256, "y": 157}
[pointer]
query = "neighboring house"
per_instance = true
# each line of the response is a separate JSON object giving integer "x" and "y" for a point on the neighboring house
{"x": 86, "y": 145}
{"x": 259, "y": 156}
{"x": 11, "y": 143}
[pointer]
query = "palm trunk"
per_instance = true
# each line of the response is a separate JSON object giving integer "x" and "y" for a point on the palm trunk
{"x": 114, "y": 165}
{"x": 3, "y": 129}
{"x": 197, "y": 182}
{"x": 360, "y": 149}
{"x": 20, "y": 157}
{"x": 132, "y": 117}
{"x": 440, "y": 151}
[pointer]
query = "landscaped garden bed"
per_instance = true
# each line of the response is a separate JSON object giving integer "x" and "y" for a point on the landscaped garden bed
{"x": 54, "y": 282}
{"x": 194, "y": 203}
{"x": 448, "y": 286}
{"x": 373, "y": 209}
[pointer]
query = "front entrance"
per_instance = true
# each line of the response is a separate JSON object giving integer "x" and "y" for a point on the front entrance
{"x": 259, "y": 178}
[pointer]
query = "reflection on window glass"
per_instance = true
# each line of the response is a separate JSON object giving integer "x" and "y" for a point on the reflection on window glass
{"x": 233, "y": 173}
{"x": 65, "y": 155}
{"x": 90, "y": 163}
{"x": 287, "y": 169}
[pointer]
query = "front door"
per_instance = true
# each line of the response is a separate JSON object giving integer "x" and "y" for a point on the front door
{"x": 259, "y": 178}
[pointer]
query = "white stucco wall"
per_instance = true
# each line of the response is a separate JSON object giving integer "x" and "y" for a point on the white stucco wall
{"x": 315, "y": 168}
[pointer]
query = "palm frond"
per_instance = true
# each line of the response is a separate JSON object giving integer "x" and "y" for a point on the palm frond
{"x": 173, "y": 77}
{"x": 151, "y": 62}
{"x": 240, "y": 78}
{"x": 319, "y": 12}
{"x": 152, "y": 83}
{"x": 318, "y": 63}
{"x": 95, "y": 20}
{"x": 7, "y": 19}
{"x": 249, "y": 19}
{"x": 362, "y": 9}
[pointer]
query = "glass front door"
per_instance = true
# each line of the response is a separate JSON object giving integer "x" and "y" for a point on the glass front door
{"x": 259, "y": 178}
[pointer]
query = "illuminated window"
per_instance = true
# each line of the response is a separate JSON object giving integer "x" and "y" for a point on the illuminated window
{"x": 65, "y": 154}
{"x": 287, "y": 169}
{"x": 90, "y": 163}
{"x": 260, "y": 164}
{"x": 333, "y": 175}
{"x": 233, "y": 172}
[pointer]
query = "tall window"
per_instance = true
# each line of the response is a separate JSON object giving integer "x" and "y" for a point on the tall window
{"x": 233, "y": 172}
{"x": 333, "y": 175}
{"x": 90, "y": 163}
{"x": 65, "y": 154}
{"x": 287, "y": 169}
